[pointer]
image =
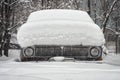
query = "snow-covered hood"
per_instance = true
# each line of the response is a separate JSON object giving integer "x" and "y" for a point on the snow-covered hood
{"x": 60, "y": 31}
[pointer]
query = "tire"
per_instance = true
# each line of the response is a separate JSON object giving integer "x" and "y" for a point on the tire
{"x": 22, "y": 58}
{"x": 100, "y": 59}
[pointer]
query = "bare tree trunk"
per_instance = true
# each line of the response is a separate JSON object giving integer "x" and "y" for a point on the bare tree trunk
{"x": 6, "y": 20}
{"x": 0, "y": 44}
{"x": 117, "y": 42}
{"x": 89, "y": 7}
{"x": 1, "y": 27}
{"x": 7, "y": 24}
{"x": 108, "y": 14}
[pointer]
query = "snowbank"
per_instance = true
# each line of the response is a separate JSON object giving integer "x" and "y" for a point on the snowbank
{"x": 53, "y": 29}
{"x": 13, "y": 54}
{"x": 113, "y": 59}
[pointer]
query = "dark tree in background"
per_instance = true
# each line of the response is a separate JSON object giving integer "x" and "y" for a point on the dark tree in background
{"x": 108, "y": 14}
{"x": 6, "y": 23}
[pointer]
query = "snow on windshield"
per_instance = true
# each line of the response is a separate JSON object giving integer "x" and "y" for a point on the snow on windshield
{"x": 65, "y": 30}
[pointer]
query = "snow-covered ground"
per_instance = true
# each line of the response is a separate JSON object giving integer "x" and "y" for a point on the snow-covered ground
{"x": 79, "y": 70}
{"x": 58, "y": 71}
{"x": 13, "y": 55}
{"x": 113, "y": 59}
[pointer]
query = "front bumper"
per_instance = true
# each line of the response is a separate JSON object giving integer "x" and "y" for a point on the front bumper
{"x": 46, "y": 52}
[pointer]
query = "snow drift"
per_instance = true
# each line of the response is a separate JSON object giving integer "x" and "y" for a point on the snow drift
{"x": 113, "y": 59}
{"x": 60, "y": 27}
{"x": 13, "y": 55}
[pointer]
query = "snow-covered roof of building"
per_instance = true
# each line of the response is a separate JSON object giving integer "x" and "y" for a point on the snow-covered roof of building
{"x": 60, "y": 30}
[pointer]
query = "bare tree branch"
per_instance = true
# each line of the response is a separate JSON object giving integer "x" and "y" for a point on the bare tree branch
{"x": 108, "y": 14}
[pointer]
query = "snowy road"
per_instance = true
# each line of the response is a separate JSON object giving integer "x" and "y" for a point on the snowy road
{"x": 58, "y": 71}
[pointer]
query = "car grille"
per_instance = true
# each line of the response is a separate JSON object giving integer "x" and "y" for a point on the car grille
{"x": 67, "y": 51}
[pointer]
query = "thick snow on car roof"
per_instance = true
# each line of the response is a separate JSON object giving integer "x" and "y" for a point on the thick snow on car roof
{"x": 62, "y": 29}
{"x": 60, "y": 14}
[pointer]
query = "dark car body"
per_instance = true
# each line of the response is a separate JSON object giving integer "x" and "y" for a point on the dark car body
{"x": 46, "y": 52}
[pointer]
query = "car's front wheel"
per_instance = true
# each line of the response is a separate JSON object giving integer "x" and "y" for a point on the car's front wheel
{"x": 96, "y": 53}
{"x": 26, "y": 53}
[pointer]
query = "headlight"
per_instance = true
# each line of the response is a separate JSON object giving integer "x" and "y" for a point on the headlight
{"x": 29, "y": 51}
{"x": 95, "y": 52}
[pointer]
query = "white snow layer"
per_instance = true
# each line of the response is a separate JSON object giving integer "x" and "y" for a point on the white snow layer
{"x": 58, "y": 71}
{"x": 60, "y": 27}
{"x": 13, "y": 54}
{"x": 59, "y": 14}
{"x": 113, "y": 59}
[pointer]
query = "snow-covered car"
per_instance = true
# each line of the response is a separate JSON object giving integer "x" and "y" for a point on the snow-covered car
{"x": 58, "y": 32}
